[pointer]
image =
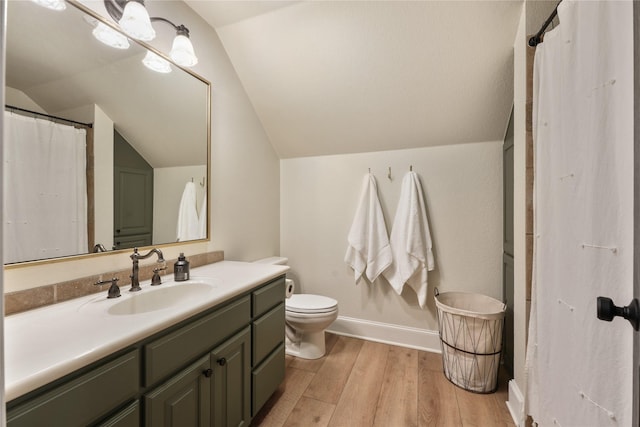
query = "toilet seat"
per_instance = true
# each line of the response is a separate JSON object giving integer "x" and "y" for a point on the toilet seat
{"x": 309, "y": 303}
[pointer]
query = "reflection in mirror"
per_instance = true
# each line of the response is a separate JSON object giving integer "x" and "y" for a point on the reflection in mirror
{"x": 101, "y": 152}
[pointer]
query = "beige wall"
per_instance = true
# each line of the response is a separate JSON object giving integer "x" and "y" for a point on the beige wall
{"x": 103, "y": 173}
{"x": 463, "y": 190}
{"x": 168, "y": 186}
{"x": 244, "y": 190}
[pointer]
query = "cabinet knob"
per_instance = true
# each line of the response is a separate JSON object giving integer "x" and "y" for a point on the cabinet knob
{"x": 222, "y": 361}
{"x": 208, "y": 372}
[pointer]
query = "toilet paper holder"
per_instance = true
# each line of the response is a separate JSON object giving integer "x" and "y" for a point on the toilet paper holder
{"x": 289, "y": 287}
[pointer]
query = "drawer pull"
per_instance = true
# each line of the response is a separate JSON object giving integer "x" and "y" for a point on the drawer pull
{"x": 222, "y": 361}
{"x": 208, "y": 372}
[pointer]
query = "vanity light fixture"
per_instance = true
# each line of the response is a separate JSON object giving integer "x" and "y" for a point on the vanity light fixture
{"x": 110, "y": 37}
{"x": 156, "y": 63}
{"x": 182, "y": 50}
{"x": 135, "y": 22}
{"x": 51, "y": 4}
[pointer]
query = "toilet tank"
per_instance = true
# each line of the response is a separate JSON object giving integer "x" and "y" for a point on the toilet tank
{"x": 274, "y": 260}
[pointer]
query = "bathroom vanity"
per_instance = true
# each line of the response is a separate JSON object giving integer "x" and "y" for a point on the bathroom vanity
{"x": 209, "y": 355}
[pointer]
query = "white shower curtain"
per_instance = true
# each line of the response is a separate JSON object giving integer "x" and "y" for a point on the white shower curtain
{"x": 45, "y": 189}
{"x": 579, "y": 368}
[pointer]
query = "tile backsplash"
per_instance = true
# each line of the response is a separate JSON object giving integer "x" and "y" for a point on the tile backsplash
{"x": 16, "y": 302}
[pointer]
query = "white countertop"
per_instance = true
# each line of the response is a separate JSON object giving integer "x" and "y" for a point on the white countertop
{"x": 47, "y": 343}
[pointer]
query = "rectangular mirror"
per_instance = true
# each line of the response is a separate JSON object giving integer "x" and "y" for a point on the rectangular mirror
{"x": 143, "y": 161}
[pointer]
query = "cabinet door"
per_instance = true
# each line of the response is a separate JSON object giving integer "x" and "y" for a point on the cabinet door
{"x": 231, "y": 381}
{"x": 184, "y": 400}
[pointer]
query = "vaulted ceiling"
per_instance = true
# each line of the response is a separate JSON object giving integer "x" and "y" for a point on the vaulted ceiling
{"x": 333, "y": 77}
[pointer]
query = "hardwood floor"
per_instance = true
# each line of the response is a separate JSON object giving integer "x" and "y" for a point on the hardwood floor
{"x": 362, "y": 383}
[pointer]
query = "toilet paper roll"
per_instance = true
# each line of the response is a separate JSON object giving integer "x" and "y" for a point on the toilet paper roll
{"x": 289, "y": 285}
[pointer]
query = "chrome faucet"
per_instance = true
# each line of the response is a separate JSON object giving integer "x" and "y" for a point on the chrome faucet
{"x": 135, "y": 256}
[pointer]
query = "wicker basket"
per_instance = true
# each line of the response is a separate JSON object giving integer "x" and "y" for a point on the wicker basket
{"x": 470, "y": 327}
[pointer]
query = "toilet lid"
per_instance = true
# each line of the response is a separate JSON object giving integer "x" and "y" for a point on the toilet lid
{"x": 308, "y": 303}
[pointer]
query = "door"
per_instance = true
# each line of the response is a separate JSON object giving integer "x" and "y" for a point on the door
{"x": 133, "y": 196}
{"x": 133, "y": 205}
{"x": 231, "y": 381}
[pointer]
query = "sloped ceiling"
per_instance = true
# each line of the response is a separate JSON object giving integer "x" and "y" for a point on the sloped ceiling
{"x": 334, "y": 77}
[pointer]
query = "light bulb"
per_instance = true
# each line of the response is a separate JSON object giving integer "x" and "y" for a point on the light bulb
{"x": 136, "y": 23}
{"x": 182, "y": 51}
{"x": 156, "y": 63}
{"x": 110, "y": 37}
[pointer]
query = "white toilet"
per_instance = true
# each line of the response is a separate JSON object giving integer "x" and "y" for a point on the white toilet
{"x": 306, "y": 318}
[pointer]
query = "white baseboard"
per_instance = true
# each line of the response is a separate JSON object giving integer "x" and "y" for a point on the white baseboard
{"x": 404, "y": 336}
{"x": 516, "y": 404}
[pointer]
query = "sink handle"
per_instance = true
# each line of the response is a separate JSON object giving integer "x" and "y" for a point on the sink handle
{"x": 114, "y": 290}
{"x": 155, "y": 280}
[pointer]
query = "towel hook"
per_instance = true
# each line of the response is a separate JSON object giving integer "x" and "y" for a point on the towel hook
{"x": 203, "y": 182}
{"x": 389, "y": 173}
{"x": 410, "y": 168}
{"x": 369, "y": 171}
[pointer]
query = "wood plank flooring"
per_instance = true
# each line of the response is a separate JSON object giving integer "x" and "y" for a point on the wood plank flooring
{"x": 362, "y": 383}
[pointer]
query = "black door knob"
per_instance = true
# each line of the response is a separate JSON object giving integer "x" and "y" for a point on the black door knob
{"x": 222, "y": 361}
{"x": 208, "y": 372}
{"x": 607, "y": 310}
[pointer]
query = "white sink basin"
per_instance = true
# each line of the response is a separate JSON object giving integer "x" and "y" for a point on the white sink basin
{"x": 149, "y": 299}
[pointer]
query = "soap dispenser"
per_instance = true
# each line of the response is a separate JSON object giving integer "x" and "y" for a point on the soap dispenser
{"x": 181, "y": 269}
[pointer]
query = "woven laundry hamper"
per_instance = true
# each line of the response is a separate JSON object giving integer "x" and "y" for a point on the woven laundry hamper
{"x": 470, "y": 327}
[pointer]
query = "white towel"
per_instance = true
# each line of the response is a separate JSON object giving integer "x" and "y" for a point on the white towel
{"x": 187, "y": 215}
{"x": 411, "y": 241}
{"x": 369, "y": 252}
{"x": 202, "y": 218}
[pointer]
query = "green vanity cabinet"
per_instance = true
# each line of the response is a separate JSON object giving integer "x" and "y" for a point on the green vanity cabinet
{"x": 213, "y": 391}
{"x": 184, "y": 400}
{"x": 267, "y": 342}
{"x": 217, "y": 368}
{"x": 83, "y": 400}
{"x": 127, "y": 417}
{"x": 173, "y": 350}
{"x": 231, "y": 384}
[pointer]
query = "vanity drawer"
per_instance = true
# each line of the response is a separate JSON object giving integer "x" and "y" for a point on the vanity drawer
{"x": 80, "y": 401}
{"x": 268, "y": 332}
{"x": 268, "y": 296}
{"x": 266, "y": 378}
{"x": 173, "y": 351}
